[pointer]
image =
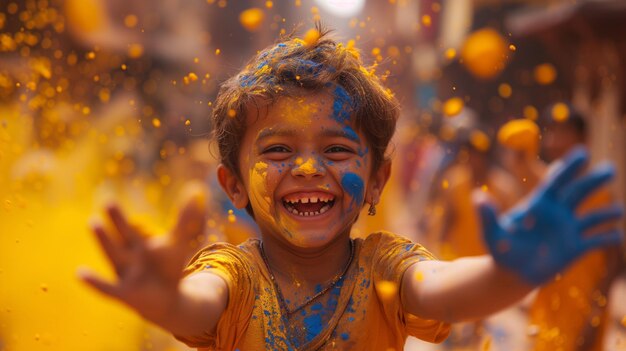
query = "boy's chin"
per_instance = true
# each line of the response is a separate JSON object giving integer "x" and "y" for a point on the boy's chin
{"x": 309, "y": 239}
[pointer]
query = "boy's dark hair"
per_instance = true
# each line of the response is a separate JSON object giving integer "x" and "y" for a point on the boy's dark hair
{"x": 574, "y": 118}
{"x": 293, "y": 67}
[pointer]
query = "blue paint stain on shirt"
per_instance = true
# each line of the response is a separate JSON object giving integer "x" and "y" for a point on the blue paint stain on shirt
{"x": 318, "y": 288}
{"x": 353, "y": 185}
{"x": 313, "y": 324}
{"x": 317, "y": 306}
{"x": 345, "y": 336}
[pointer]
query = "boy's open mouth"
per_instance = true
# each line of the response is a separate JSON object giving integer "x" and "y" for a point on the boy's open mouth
{"x": 309, "y": 205}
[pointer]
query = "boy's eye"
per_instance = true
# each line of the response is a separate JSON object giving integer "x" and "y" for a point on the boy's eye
{"x": 336, "y": 149}
{"x": 276, "y": 149}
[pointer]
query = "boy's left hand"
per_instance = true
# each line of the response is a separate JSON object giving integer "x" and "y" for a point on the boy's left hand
{"x": 544, "y": 235}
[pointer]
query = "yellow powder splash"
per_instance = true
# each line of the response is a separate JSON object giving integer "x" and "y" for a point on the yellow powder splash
{"x": 308, "y": 167}
{"x": 387, "y": 290}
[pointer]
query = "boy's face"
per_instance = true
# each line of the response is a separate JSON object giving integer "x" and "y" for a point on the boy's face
{"x": 306, "y": 170}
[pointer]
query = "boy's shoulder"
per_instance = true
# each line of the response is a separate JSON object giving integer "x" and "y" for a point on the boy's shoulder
{"x": 384, "y": 237}
{"x": 226, "y": 254}
{"x": 385, "y": 243}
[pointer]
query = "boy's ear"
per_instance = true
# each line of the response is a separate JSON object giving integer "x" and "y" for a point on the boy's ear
{"x": 377, "y": 182}
{"x": 233, "y": 186}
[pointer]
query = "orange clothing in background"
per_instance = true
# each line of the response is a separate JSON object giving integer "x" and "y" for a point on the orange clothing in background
{"x": 462, "y": 234}
{"x": 360, "y": 320}
{"x": 566, "y": 307}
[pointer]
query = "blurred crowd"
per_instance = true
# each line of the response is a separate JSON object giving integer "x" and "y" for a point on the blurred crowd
{"x": 110, "y": 101}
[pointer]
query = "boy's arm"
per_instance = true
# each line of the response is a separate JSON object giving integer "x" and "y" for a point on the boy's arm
{"x": 461, "y": 290}
{"x": 149, "y": 272}
{"x": 529, "y": 246}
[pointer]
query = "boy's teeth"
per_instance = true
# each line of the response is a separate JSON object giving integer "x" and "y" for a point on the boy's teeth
{"x": 307, "y": 213}
{"x": 306, "y": 200}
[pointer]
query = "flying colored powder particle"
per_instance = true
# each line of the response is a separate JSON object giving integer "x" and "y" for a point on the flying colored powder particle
{"x": 387, "y": 290}
{"x": 135, "y": 50}
{"x": 519, "y": 134}
{"x": 505, "y": 90}
{"x": 480, "y": 141}
{"x": 453, "y": 106}
{"x": 531, "y": 112}
{"x": 252, "y": 19}
{"x": 419, "y": 276}
{"x": 544, "y": 73}
{"x": 311, "y": 36}
{"x": 560, "y": 112}
{"x": 450, "y": 53}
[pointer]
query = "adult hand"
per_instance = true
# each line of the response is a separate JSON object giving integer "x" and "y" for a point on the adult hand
{"x": 542, "y": 236}
{"x": 148, "y": 269}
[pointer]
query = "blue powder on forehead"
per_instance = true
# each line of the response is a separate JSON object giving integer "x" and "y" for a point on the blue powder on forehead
{"x": 342, "y": 105}
{"x": 351, "y": 134}
{"x": 353, "y": 185}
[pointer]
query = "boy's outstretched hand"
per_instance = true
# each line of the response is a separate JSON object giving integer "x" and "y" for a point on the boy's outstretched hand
{"x": 543, "y": 236}
{"x": 148, "y": 269}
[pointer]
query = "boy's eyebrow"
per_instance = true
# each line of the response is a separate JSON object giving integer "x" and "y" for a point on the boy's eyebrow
{"x": 346, "y": 132}
{"x": 270, "y": 132}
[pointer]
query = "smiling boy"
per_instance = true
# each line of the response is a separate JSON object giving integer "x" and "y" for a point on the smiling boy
{"x": 302, "y": 133}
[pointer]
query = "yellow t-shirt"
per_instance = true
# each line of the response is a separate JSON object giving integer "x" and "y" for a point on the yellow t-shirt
{"x": 360, "y": 319}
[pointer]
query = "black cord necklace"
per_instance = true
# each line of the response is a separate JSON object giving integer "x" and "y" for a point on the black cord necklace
{"x": 332, "y": 284}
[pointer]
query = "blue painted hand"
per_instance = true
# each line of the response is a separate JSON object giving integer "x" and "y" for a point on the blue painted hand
{"x": 542, "y": 236}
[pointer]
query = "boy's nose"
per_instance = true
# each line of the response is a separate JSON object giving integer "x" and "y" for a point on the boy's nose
{"x": 308, "y": 169}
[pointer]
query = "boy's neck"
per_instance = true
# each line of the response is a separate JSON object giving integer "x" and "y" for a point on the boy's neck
{"x": 310, "y": 266}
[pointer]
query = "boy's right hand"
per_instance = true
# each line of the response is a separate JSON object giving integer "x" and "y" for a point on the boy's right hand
{"x": 148, "y": 269}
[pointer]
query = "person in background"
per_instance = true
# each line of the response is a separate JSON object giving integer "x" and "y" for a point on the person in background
{"x": 571, "y": 312}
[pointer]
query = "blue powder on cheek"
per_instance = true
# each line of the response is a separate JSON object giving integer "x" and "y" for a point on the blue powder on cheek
{"x": 353, "y": 185}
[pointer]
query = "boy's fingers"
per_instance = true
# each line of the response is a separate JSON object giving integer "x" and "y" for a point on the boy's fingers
{"x": 489, "y": 218}
{"x": 579, "y": 189}
{"x": 598, "y": 217}
{"x": 127, "y": 232}
{"x": 566, "y": 169}
{"x": 99, "y": 284}
{"x": 109, "y": 247}
{"x": 191, "y": 219}
{"x": 611, "y": 238}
